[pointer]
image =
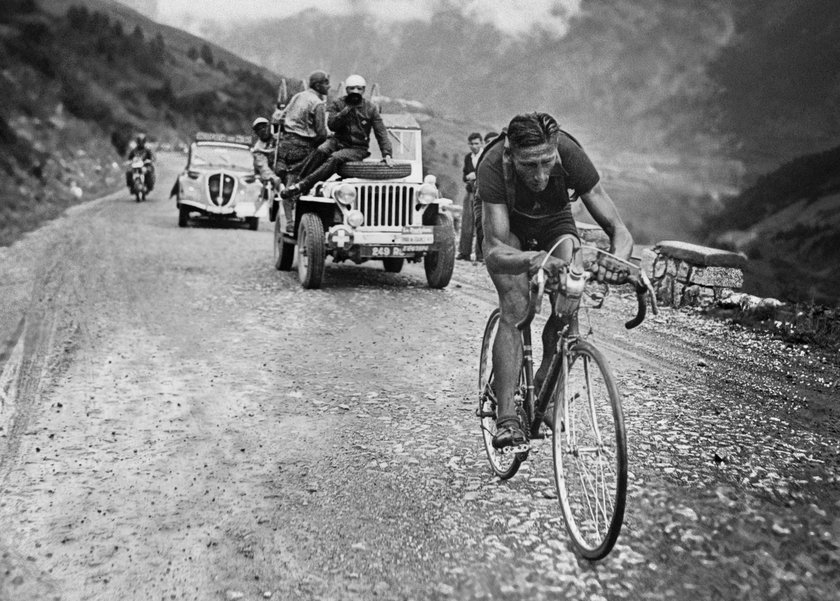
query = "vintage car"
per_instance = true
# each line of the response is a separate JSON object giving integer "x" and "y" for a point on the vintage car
{"x": 372, "y": 212}
{"x": 219, "y": 181}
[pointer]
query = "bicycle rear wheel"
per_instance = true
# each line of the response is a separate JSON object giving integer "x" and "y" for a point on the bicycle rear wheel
{"x": 505, "y": 465}
{"x": 590, "y": 451}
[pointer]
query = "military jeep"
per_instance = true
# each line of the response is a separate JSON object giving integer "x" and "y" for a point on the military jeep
{"x": 372, "y": 212}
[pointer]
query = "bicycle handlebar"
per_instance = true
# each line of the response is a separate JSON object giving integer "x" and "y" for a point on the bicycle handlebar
{"x": 637, "y": 277}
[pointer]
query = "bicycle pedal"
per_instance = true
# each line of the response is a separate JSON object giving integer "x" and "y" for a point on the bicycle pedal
{"x": 513, "y": 449}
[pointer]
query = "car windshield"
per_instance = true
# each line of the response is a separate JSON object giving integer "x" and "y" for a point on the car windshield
{"x": 403, "y": 145}
{"x": 228, "y": 157}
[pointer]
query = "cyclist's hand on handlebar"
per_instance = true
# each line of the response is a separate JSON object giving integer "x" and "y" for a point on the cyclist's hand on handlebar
{"x": 552, "y": 265}
{"x": 610, "y": 271}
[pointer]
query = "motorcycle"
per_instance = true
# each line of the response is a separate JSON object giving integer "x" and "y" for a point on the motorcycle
{"x": 139, "y": 168}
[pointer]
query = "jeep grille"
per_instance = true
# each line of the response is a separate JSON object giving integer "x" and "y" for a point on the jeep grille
{"x": 386, "y": 204}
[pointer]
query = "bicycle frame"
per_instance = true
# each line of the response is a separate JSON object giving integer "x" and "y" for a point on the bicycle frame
{"x": 538, "y": 400}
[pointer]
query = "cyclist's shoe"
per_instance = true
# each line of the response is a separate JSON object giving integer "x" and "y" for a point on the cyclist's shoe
{"x": 509, "y": 434}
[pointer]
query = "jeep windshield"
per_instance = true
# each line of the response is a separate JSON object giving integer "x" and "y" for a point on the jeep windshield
{"x": 208, "y": 156}
{"x": 403, "y": 145}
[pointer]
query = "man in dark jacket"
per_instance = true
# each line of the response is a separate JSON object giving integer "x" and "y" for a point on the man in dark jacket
{"x": 351, "y": 119}
{"x": 467, "y": 216}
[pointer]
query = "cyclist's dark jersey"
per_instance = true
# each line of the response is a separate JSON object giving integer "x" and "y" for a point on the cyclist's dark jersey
{"x": 575, "y": 171}
{"x": 537, "y": 219}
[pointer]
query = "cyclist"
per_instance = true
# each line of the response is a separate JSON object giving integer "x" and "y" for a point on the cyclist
{"x": 523, "y": 183}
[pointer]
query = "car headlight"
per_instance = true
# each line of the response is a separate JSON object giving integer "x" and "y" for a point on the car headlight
{"x": 345, "y": 194}
{"x": 355, "y": 218}
{"x": 427, "y": 193}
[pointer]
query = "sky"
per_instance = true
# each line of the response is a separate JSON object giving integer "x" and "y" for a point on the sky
{"x": 510, "y": 16}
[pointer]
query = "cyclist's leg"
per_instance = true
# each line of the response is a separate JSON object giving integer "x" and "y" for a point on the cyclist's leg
{"x": 507, "y": 348}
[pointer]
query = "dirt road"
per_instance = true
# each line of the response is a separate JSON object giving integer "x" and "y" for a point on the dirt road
{"x": 181, "y": 421}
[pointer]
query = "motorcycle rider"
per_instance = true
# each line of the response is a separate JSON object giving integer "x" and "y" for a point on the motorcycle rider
{"x": 144, "y": 153}
{"x": 351, "y": 119}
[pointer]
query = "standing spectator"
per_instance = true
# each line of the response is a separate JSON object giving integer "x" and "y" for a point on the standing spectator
{"x": 263, "y": 152}
{"x": 476, "y": 206}
{"x": 467, "y": 215}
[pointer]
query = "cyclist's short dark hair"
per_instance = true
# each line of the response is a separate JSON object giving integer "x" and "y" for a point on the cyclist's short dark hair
{"x": 490, "y": 136}
{"x": 473, "y": 136}
{"x": 532, "y": 129}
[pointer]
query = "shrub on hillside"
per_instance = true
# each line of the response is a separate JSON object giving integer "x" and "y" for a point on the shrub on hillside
{"x": 12, "y": 8}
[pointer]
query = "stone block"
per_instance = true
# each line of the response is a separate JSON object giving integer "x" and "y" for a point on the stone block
{"x": 659, "y": 267}
{"x": 665, "y": 290}
{"x": 671, "y": 268}
{"x": 677, "y": 295}
{"x": 683, "y": 269}
{"x": 700, "y": 255}
{"x": 698, "y": 296}
{"x": 720, "y": 277}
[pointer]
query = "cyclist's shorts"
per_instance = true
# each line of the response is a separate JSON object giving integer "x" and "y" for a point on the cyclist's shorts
{"x": 540, "y": 233}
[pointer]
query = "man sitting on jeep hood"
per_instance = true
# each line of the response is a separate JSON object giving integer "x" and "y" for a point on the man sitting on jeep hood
{"x": 351, "y": 119}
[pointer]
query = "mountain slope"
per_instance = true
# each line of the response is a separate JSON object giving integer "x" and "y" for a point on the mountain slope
{"x": 788, "y": 223}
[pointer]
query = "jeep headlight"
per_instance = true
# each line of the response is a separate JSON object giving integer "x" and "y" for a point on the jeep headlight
{"x": 427, "y": 194}
{"x": 355, "y": 218}
{"x": 345, "y": 194}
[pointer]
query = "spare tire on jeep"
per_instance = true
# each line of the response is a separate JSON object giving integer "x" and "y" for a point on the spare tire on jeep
{"x": 366, "y": 170}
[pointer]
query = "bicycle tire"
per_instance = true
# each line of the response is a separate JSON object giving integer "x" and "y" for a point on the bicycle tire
{"x": 590, "y": 474}
{"x": 503, "y": 465}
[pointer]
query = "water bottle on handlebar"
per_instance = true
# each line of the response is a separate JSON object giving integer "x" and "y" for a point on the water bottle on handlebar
{"x": 573, "y": 282}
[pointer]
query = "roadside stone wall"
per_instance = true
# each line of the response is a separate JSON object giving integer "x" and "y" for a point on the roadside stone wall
{"x": 685, "y": 274}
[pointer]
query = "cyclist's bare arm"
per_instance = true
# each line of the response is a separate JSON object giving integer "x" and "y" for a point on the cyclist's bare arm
{"x": 499, "y": 255}
{"x": 603, "y": 211}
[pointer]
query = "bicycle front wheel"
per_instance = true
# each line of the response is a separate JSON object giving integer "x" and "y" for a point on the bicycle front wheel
{"x": 590, "y": 451}
{"x": 504, "y": 465}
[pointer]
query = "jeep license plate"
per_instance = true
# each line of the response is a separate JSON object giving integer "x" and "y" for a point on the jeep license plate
{"x": 392, "y": 251}
{"x": 417, "y": 235}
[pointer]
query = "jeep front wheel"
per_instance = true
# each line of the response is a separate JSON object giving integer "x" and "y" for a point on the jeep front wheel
{"x": 311, "y": 251}
{"x": 439, "y": 264}
{"x": 284, "y": 252}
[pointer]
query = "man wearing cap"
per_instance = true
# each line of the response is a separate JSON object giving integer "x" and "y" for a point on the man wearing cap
{"x": 351, "y": 119}
{"x": 303, "y": 127}
{"x": 263, "y": 152}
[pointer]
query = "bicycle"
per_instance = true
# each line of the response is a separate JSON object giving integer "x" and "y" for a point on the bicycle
{"x": 587, "y": 430}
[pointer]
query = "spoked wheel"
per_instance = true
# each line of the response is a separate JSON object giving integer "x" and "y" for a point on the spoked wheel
{"x": 505, "y": 465}
{"x": 590, "y": 451}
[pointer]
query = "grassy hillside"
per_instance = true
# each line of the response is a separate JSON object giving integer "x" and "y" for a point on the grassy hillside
{"x": 77, "y": 85}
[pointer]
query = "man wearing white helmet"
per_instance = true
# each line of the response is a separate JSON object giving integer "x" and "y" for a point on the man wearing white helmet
{"x": 263, "y": 152}
{"x": 351, "y": 119}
